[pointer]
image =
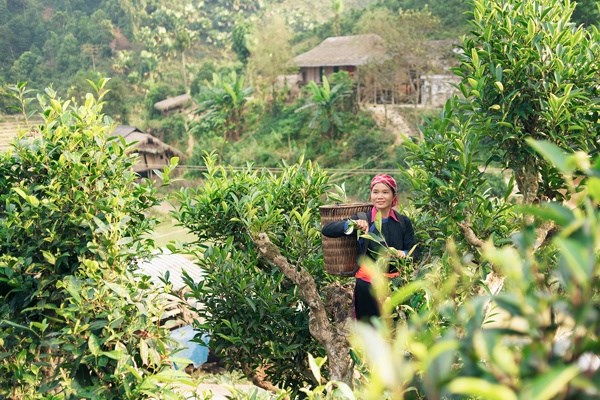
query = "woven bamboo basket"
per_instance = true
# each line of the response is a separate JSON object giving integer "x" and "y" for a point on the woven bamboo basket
{"x": 340, "y": 254}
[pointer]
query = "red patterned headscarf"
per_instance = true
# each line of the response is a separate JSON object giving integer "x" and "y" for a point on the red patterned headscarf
{"x": 389, "y": 181}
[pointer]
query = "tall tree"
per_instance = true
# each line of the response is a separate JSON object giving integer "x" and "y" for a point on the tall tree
{"x": 270, "y": 51}
{"x": 528, "y": 72}
{"x": 406, "y": 35}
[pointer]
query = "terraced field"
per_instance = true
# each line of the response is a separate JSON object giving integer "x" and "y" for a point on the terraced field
{"x": 9, "y": 128}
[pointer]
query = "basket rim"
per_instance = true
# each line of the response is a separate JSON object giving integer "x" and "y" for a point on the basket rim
{"x": 345, "y": 205}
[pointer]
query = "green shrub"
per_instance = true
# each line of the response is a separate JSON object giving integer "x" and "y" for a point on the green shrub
{"x": 253, "y": 314}
{"x": 448, "y": 189}
{"x": 537, "y": 338}
{"x": 532, "y": 331}
{"x": 75, "y": 321}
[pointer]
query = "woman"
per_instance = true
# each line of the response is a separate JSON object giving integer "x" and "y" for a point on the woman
{"x": 396, "y": 229}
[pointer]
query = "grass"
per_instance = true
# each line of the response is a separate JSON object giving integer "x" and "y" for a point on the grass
{"x": 167, "y": 231}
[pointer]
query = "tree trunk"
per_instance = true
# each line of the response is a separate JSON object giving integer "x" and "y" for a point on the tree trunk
{"x": 184, "y": 73}
{"x": 526, "y": 176}
{"x": 331, "y": 337}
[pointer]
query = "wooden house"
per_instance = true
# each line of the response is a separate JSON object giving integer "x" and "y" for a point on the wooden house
{"x": 340, "y": 53}
{"x": 172, "y": 105}
{"x": 153, "y": 153}
{"x": 384, "y": 75}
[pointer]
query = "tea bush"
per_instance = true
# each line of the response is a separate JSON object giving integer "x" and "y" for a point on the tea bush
{"x": 537, "y": 339}
{"x": 75, "y": 320}
{"x": 255, "y": 318}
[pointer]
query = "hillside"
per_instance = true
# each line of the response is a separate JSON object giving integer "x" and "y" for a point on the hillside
{"x": 155, "y": 49}
{"x": 10, "y": 126}
{"x": 60, "y": 43}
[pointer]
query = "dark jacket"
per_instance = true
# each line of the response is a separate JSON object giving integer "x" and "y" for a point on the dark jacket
{"x": 398, "y": 234}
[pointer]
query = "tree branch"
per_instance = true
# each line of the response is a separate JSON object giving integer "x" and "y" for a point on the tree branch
{"x": 470, "y": 236}
{"x": 332, "y": 339}
{"x": 543, "y": 234}
{"x": 258, "y": 378}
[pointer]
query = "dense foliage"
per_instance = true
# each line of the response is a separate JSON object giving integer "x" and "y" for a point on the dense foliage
{"x": 221, "y": 106}
{"x": 507, "y": 317}
{"x": 251, "y": 311}
{"x": 150, "y": 42}
{"x": 503, "y": 105}
{"x": 537, "y": 339}
{"x": 528, "y": 71}
{"x": 473, "y": 339}
{"x": 448, "y": 187}
{"x": 146, "y": 46}
{"x": 512, "y": 307}
{"x": 289, "y": 130}
{"x": 75, "y": 322}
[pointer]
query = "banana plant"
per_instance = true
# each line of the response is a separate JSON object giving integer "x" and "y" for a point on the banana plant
{"x": 326, "y": 103}
{"x": 223, "y": 101}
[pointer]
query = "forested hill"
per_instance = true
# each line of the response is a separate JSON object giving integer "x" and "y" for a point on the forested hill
{"x": 142, "y": 44}
{"x": 60, "y": 42}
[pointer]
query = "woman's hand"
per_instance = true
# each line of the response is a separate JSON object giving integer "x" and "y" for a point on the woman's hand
{"x": 362, "y": 225}
{"x": 397, "y": 253}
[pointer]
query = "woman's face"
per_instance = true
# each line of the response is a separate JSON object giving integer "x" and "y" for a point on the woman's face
{"x": 382, "y": 196}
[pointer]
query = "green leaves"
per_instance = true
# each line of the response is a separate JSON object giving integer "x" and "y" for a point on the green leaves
{"x": 94, "y": 345}
{"x": 555, "y": 155}
{"x": 72, "y": 222}
{"x": 32, "y": 200}
{"x": 481, "y": 388}
{"x": 593, "y": 186}
{"x": 578, "y": 258}
{"x": 550, "y": 384}
{"x": 222, "y": 102}
{"x": 252, "y": 312}
{"x": 326, "y": 103}
{"x": 530, "y": 79}
{"x": 531, "y": 106}
{"x": 551, "y": 212}
{"x": 449, "y": 183}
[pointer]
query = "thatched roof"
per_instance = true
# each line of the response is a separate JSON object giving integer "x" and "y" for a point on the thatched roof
{"x": 146, "y": 143}
{"x": 172, "y": 103}
{"x": 344, "y": 51}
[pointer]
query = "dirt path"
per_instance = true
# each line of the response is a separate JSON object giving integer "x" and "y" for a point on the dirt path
{"x": 388, "y": 117}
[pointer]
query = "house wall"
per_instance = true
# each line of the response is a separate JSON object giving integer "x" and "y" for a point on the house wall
{"x": 428, "y": 90}
{"x": 431, "y": 90}
{"x": 308, "y": 74}
{"x": 150, "y": 161}
{"x": 437, "y": 89}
